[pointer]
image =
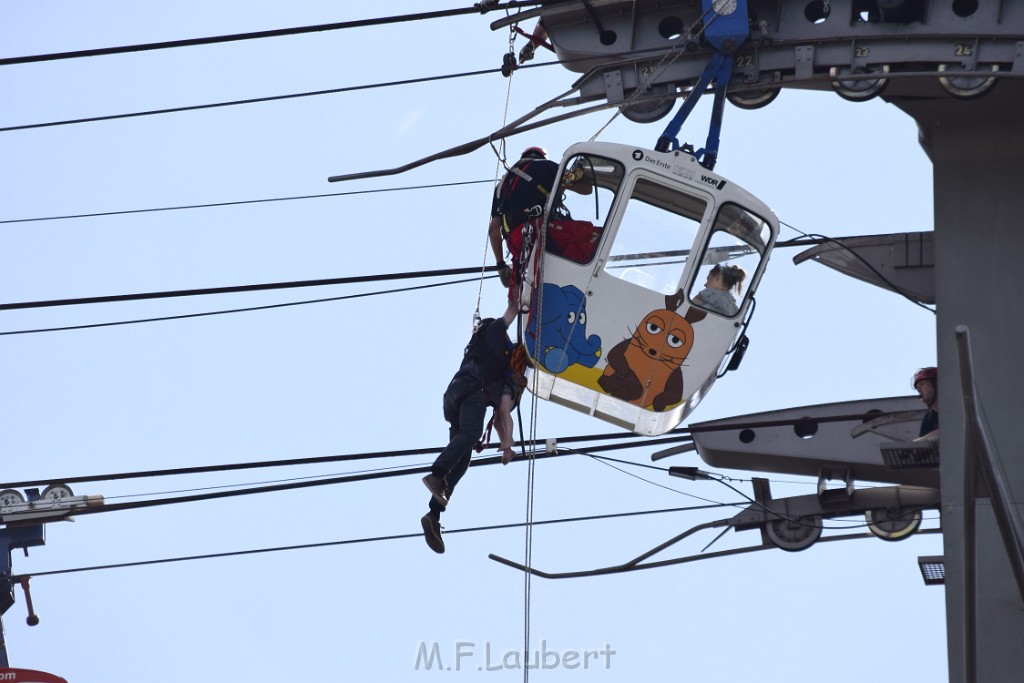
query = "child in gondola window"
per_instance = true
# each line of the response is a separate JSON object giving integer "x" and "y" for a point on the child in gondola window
{"x": 717, "y": 293}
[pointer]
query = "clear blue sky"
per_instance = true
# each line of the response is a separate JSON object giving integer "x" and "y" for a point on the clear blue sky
{"x": 367, "y": 374}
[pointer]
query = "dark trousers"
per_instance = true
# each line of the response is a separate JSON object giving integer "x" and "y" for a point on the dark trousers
{"x": 465, "y": 410}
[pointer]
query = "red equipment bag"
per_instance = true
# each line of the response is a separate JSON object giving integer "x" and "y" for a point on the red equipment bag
{"x": 574, "y": 240}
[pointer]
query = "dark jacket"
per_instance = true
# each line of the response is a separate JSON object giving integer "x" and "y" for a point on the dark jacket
{"x": 486, "y": 358}
{"x": 527, "y": 185}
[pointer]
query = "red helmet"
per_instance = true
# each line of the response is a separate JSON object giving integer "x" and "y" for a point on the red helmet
{"x": 925, "y": 373}
{"x": 534, "y": 152}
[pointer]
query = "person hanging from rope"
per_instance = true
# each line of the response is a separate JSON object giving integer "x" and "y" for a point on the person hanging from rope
{"x": 485, "y": 378}
{"x": 517, "y": 210}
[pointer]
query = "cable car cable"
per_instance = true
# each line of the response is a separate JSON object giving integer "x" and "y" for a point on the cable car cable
{"x": 328, "y": 459}
{"x": 865, "y": 262}
{"x": 275, "y": 98}
{"x": 117, "y": 298}
{"x": 237, "y": 289}
{"x": 239, "y": 310}
{"x": 607, "y": 462}
{"x": 675, "y": 436}
{"x": 253, "y": 100}
{"x": 241, "y": 202}
{"x": 312, "y": 477}
{"x": 374, "y": 539}
{"x": 721, "y": 479}
{"x": 274, "y": 33}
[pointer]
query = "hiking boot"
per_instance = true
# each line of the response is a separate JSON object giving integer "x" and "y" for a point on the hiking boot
{"x": 437, "y": 487}
{"x": 432, "y": 532}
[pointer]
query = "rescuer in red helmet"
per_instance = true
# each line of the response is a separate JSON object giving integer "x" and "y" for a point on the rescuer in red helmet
{"x": 926, "y": 385}
{"x": 517, "y": 210}
{"x": 519, "y": 201}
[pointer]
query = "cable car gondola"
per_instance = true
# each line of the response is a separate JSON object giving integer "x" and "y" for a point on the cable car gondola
{"x": 614, "y": 329}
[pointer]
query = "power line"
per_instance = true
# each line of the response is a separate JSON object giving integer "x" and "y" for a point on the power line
{"x": 275, "y": 33}
{"x": 246, "y": 201}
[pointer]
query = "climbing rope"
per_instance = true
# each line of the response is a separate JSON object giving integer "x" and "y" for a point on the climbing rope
{"x": 531, "y": 470}
{"x": 500, "y": 167}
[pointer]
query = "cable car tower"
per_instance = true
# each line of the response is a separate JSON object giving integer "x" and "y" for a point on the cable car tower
{"x": 956, "y": 67}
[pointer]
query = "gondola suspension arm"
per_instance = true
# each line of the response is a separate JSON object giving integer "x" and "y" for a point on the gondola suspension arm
{"x": 726, "y": 32}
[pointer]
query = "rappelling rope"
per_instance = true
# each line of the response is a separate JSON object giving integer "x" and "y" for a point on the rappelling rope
{"x": 523, "y": 270}
{"x": 660, "y": 67}
{"x": 500, "y": 167}
{"x": 535, "y": 310}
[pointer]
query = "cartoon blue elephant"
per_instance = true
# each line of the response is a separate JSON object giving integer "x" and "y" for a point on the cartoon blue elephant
{"x": 563, "y": 330}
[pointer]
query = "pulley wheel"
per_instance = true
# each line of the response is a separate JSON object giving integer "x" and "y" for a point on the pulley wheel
{"x": 966, "y": 87}
{"x": 795, "y": 533}
{"x": 891, "y": 524}
{"x": 651, "y": 110}
{"x": 858, "y": 89}
{"x": 55, "y": 493}
{"x": 752, "y": 99}
{"x": 10, "y": 497}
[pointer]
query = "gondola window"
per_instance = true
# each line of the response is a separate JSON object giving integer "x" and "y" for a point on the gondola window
{"x": 657, "y": 230}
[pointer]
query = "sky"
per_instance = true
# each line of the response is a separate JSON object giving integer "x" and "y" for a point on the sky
{"x": 366, "y": 375}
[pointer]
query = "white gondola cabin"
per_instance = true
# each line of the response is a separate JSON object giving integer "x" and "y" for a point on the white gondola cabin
{"x": 617, "y": 328}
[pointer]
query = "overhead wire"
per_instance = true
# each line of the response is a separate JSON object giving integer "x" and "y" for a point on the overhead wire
{"x": 125, "y": 212}
{"x": 256, "y": 35}
{"x": 252, "y": 100}
{"x": 209, "y": 493}
{"x": 626, "y": 441}
{"x": 634, "y": 442}
{"x": 246, "y": 309}
{"x": 290, "y": 96}
{"x": 236, "y": 289}
{"x": 372, "y": 539}
{"x": 865, "y": 262}
{"x": 724, "y": 480}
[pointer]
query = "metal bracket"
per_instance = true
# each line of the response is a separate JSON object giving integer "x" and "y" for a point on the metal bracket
{"x": 726, "y": 32}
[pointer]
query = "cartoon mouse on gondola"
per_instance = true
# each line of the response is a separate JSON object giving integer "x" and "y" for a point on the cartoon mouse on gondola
{"x": 646, "y": 369}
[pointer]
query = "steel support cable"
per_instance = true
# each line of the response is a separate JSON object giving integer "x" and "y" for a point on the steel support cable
{"x": 290, "y": 486}
{"x": 253, "y": 100}
{"x": 675, "y": 436}
{"x": 276, "y": 488}
{"x": 274, "y": 33}
{"x": 237, "y": 289}
{"x": 125, "y": 212}
{"x": 291, "y": 96}
{"x": 832, "y": 240}
{"x": 326, "y": 459}
{"x": 246, "y": 309}
{"x": 372, "y": 539}
{"x": 607, "y": 462}
{"x": 725, "y": 482}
